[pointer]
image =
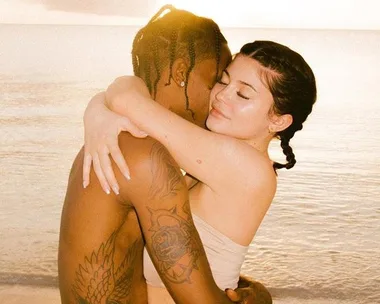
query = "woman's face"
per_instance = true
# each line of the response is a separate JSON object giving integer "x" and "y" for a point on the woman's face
{"x": 240, "y": 103}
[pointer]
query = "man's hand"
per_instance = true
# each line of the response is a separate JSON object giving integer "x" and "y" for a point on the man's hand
{"x": 249, "y": 292}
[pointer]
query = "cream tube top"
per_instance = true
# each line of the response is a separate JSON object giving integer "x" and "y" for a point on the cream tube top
{"x": 225, "y": 257}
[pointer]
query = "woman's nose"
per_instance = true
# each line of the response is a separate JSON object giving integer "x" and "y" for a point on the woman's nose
{"x": 225, "y": 94}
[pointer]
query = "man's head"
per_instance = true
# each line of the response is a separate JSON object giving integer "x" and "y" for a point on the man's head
{"x": 179, "y": 56}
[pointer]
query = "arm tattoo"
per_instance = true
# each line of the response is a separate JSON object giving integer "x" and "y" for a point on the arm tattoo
{"x": 99, "y": 280}
{"x": 174, "y": 245}
{"x": 163, "y": 166}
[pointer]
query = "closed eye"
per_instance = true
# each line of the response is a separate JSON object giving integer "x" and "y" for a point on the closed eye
{"x": 242, "y": 96}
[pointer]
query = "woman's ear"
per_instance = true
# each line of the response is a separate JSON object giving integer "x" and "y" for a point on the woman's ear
{"x": 279, "y": 123}
{"x": 179, "y": 71}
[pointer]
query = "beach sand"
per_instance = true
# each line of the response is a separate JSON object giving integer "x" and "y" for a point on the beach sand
{"x": 16, "y": 294}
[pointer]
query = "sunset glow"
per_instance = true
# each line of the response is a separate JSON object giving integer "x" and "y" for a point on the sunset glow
{"x": 324, "y": 14}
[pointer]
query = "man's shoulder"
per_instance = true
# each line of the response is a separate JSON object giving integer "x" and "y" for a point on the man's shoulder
{"x": 151, "y": 166}
{"x": 138, "y": 151}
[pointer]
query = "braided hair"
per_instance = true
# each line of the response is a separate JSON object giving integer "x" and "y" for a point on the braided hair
{"x": 172, "y": 35}
{"x": 292, "y": 85}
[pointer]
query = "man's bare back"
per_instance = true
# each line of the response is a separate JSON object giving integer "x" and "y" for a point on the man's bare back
{"x": 100, "y": 240}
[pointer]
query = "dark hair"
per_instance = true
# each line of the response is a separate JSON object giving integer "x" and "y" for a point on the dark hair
{"x": 292, "y": 84}
{"x": 176, "y": 34}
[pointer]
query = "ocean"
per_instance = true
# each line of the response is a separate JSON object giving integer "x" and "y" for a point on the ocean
{"x": 319, "y": 242}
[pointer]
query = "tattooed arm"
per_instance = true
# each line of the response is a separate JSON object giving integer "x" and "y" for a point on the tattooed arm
{"x": 159, "y": 195}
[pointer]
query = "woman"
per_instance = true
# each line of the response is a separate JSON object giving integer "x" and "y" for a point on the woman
{"x": 267, "y": 91}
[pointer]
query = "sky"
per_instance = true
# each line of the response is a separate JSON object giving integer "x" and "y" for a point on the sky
{"x": 321, "y": 14}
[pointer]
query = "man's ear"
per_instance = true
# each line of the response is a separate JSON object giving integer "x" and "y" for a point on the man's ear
{"x": 179, "y": 70}
{"x": 280, "y": 122}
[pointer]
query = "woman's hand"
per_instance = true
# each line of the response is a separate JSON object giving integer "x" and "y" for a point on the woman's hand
{"x": 102, "y": 128}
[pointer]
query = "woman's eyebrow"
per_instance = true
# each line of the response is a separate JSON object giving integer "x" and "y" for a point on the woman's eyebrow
{"x": 242, "y": 82}
{"x": 247, "y": 84}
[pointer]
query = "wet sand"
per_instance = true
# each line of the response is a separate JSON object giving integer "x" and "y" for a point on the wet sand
{"x": 16, "y": 294}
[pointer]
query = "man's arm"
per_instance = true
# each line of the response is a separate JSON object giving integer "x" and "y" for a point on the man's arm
{"x": 159, "y": 194}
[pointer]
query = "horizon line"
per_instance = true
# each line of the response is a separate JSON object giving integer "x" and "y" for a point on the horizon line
{"x": 221, "y": 26}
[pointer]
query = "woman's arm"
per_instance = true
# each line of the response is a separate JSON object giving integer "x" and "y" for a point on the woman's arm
{"x": 196, "y": 150}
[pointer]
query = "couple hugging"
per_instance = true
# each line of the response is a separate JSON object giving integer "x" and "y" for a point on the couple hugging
{"x": 147, "y": 232}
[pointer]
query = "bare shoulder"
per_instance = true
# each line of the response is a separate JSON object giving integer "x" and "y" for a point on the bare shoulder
{"x": 153, "y": 170}
{"x": 137, "y": 149}
{"x": 252, "y": 169}
{"x": 262, "y": 174}
{"x": 140, "y": 149}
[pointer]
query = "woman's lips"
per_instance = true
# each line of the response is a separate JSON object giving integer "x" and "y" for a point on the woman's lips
{"x": 217, "y": 113}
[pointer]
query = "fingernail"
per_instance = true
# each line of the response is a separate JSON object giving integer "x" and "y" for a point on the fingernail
{"x": 85, "y": 184}
{"x": 127, "y": 176}
{"x": 108, "y": 191}
{"x": 116, "y": 190}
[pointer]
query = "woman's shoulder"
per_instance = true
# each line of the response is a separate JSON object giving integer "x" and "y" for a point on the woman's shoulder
{"x": 262, "y": 179}
{"x": 254, "y": 167}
